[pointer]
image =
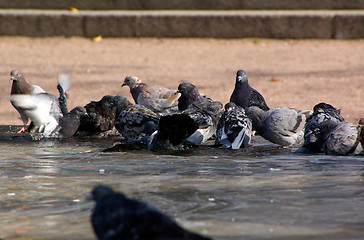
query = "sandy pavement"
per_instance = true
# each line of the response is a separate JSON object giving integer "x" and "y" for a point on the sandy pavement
{"x": 288, "y": 73}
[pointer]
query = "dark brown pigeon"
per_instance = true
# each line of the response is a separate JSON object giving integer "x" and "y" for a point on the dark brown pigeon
{"x": 159, "y": 99}
{"x": 101, "y": 114}
{"x": 246, "y": 96}
{"x": 21, "y": 87}
{"x": 118, "y": 217}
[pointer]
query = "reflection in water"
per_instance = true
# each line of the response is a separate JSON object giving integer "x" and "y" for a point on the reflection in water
{"x": 261, "y": 193}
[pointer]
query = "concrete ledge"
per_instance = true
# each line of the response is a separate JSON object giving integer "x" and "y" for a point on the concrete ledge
{"x": 183, "y": 4}
{"x": 212, "y": 24}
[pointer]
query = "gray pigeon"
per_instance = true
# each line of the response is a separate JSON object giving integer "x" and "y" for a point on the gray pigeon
{"x": 117, "y": 216}
{"x": 322, "y": 112}
{"x": 136, "y": 122}
{"x": 340, "y": 138}
{"x": 21, "y": 87}
{"x": 159, "y": 99}
{"x": 234, "y": 128}
{"x": 70, "y": 122}
{"x": 282, "y": 126}
{"x": 246, "y": 96}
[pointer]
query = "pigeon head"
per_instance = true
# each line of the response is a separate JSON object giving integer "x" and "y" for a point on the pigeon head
{"x": 19, "y": 86}
{"x": 241, "y": 77}
{"x": 189, "y": 94}
{"x": 131, "y": 81}
{"x": 229, "y": 106}
{"x": 16, "y": 75}
{"x": 258, "y": 116}
{"x": 79, "y": 111}
{"x": 100, "y": 192}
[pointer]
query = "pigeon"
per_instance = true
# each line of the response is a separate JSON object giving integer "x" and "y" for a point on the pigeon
{"x": 116, "y": 216}
{"x": 70, "y": 123}
{"x": 206, "y": 113}
{"x": 64, "y": 82}
{"x": 246, "y": 96}
{"x": 189, "y": 94}
{"x": 361, "y": 135}
{"x": 136, "y": 122}
{"x": 21, "y": 87}
{"x": 340, "y": 138}
{"x": 43, "y": 109}
{"x": 159, "y": 99}
{"x": 173, "y": 130}
{"x": 282, "y": 126}
{"x": 102, "y": 114}
{"x": 234, "y": 128}
{"x": 321, "y": 112}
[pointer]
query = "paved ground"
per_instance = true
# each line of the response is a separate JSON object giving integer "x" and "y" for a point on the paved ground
{"x": 289, "y": 73}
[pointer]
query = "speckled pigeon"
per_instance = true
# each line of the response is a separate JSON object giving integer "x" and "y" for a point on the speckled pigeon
{"x": 246, "y": 96}
{"x": 234, "y": 128}
{"x": 321, "y": 112}
{"x": 136, "y": 122}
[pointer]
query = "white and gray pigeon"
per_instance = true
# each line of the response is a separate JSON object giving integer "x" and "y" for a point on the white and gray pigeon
{"x": 322, "y": 112}
{"x": 42, "y": 109}
{"x": 159, "y": 99}
{"x": 340, "y": 138}
{"x": 234, "y": 129}
{"x": 282, "y": 126}
{"x": 21, "y": 87}
{"x": 136, "y": 122}
{"x": 246, "y": 96}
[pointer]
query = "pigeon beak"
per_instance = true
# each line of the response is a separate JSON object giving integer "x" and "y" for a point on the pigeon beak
{"x": 124, "y": 84}
{"x": 240, "y": 78}
{"x": 12, "y": 78}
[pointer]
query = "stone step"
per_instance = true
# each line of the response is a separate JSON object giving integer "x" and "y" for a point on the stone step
{"x": 200, "y": 24}
{"x": 183, "y": 4}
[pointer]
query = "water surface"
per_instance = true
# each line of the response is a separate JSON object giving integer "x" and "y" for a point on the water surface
{"x": 264, "y": 192}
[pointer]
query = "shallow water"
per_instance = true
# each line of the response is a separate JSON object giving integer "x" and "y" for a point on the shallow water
{"x": 264, "y": 192}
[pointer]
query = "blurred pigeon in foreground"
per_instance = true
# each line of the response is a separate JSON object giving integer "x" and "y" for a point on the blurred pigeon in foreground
{"x": 21, "y": 87}
{"x": 234, "y": 128}
{"x": 246, "y": 96}
{"x": 322, "y": 112}
{"x": 340, "y": 138}
{"x": 189, "y": 94}
{"x": 282, "y": 126}
{"x": 173, "y": 130}
{"x": 159, "y": 99}
{"x": 101, "y": 114}
{"x": 136, "y": 122}
{"x": 117, "y": 216}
